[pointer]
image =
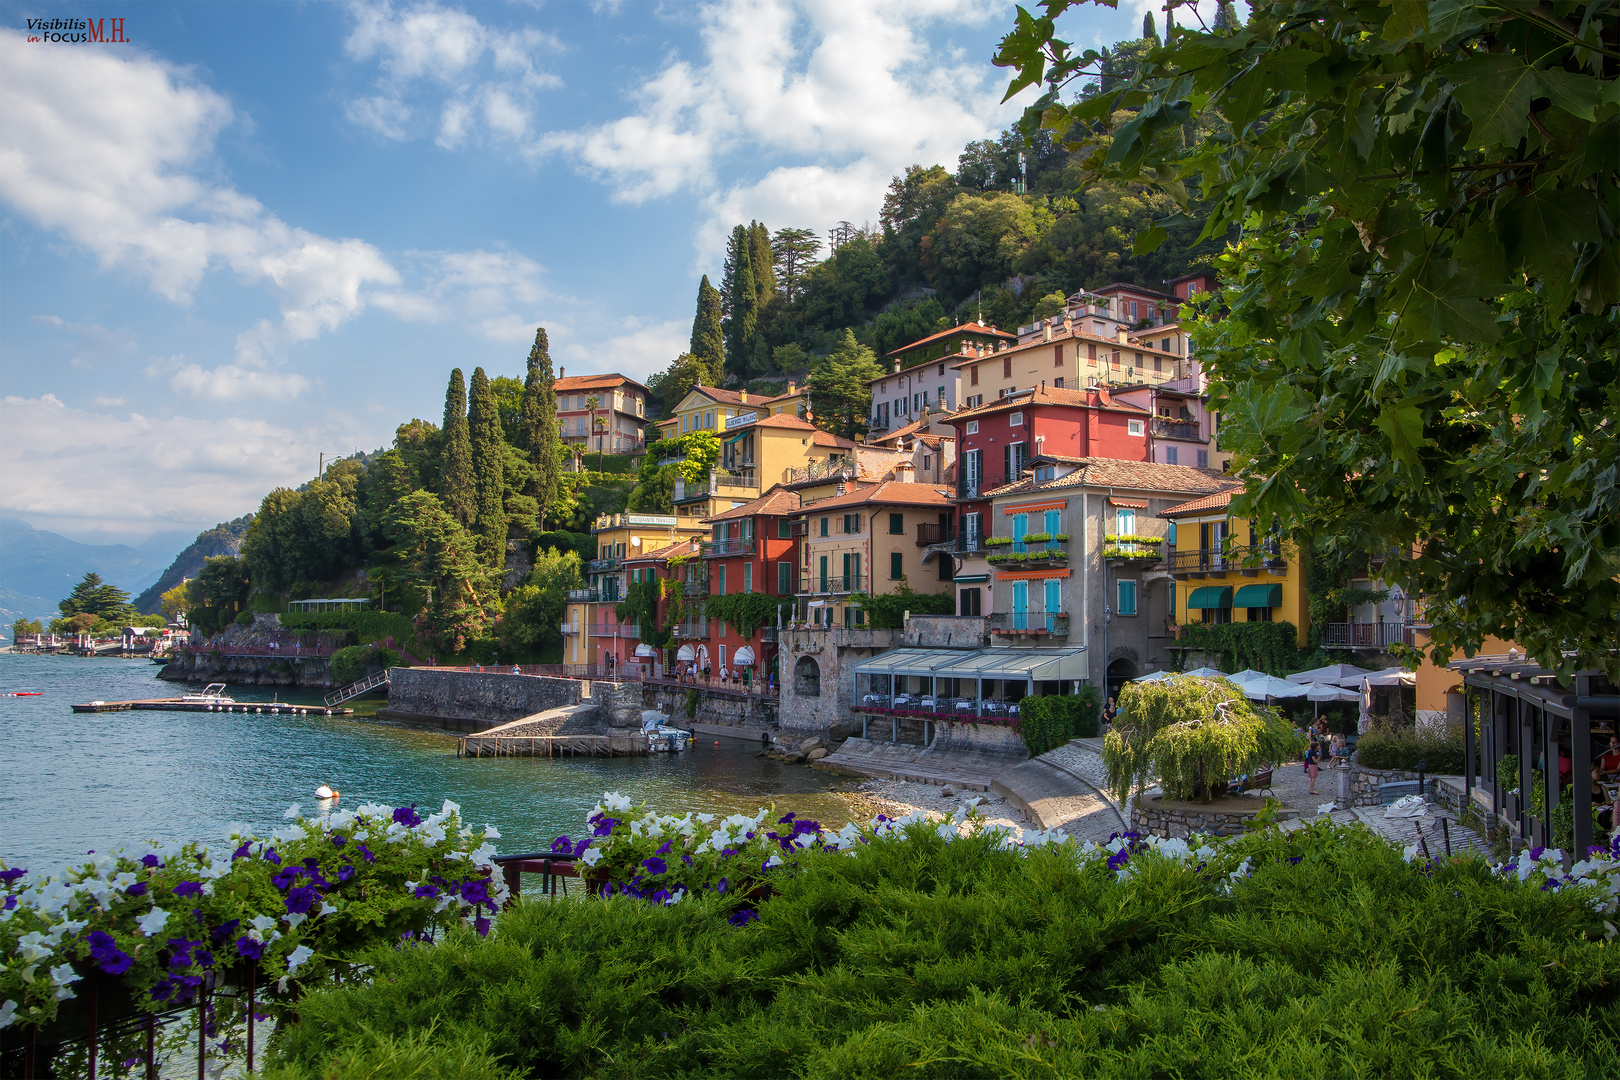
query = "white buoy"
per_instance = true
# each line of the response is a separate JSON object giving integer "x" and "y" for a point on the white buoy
{"x": 324, "y": 792}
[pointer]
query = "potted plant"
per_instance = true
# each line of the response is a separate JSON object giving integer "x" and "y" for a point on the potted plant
{"x": 997, "y": 541}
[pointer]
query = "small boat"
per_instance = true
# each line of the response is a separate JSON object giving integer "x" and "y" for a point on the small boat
{"x": 212, "y": 694}
{"x": 664, "y": 739}
{"x": 325, "y": 792}
{"x": 26, "y": 693}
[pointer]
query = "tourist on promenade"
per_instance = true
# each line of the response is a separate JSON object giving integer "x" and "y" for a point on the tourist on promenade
{"x": 1110, "y": 710}
{"x": 707, "y": 672}
{"x": 1312, "y": 768}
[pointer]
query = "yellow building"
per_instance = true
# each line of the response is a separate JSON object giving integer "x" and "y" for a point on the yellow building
{"x": 757, "y": 452}
{"x": 708, "y": 408}
{"x": 1225, "y": 570}
{"x": 869, "y": 540}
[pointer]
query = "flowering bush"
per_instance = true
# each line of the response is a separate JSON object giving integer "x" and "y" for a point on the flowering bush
{"x": 307, "y": 897}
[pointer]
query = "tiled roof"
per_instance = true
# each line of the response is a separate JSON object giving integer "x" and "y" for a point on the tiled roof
{"x": 900, "y": 432}
{"x": 595, "y": 382}
{"x": 779, "y": 500}
{"x": 965, "y": 328}
{"x": 1218, "y": 501}
{"x": 1125, "y": 286}
{"x": 682, "y": 547}
{"x": 1132, "y": 342}
{"x": 735, "y": 397}
{"x": 827, "y": 438}
{"x": 1051, "y": 395}
{"x": 1130, "y": 476}
{"x": 887, "y": 493}
{"x": 782, "y": 420}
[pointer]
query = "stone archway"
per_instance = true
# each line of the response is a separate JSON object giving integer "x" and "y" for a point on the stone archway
{"x": 807, "y": 677}
{"x": 1120, "y": 672}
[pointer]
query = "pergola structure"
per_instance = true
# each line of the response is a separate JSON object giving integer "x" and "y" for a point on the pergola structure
{"x": 333, "y": 603}
{"x": 1533, "y": 715}
{"x": 964, "y": 684}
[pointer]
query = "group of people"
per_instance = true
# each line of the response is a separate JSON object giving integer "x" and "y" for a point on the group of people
{"x": 1325, "y": 750}
{"x": 739, "y": 677}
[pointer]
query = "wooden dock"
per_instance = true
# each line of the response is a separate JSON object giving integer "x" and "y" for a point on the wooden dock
{"x": 275, "y": 708}
{"x": 627, "y": 745}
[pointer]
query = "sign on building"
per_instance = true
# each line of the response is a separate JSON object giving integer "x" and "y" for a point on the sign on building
{"x": 741, "y": 420}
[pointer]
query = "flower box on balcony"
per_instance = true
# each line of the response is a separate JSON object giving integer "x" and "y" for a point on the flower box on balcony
{"x": 1130, "y": 555}
{"x": 997, "y": 541}
{"x": 1128, "y": 538}
{"x": 1037, "y": 538}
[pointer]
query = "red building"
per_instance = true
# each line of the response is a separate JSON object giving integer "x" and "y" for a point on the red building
{"x": 752, "y": 550}
{"x": 996, "y": 441}
{"x": 626, "y": 641}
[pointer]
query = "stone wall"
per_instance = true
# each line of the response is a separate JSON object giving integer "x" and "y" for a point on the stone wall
{"x": 477, "y": 701}
{"x": 309, "y": 671}
{"x": 619, "y": 703}
{"x": 815, "y": 705}
{"x": 1364, "y": 784}
{"x": 1150, "y": 813}
{"x": 946, "y": 631}
{"x": 716, "y": 709}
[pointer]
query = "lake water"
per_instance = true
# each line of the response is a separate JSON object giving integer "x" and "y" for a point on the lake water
{"x": 81, "y": 781}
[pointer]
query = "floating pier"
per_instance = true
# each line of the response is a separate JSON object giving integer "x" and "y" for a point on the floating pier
{"x": 627, "y": 745}
{"x": 277, "y": 708}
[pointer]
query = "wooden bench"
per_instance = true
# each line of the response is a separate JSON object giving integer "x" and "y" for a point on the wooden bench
{"x": 1260, "y": 781}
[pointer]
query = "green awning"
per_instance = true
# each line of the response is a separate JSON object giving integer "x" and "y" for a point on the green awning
{"x": 735, "y": 437}
{"x": 1210, "y": 596}
{"x": 971, "y": 579}
{"x": 1258, "y": 596}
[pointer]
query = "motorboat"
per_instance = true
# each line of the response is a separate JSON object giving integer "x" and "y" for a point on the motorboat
{"x": 662, "y": 738}
{"x": 212, "y": 694}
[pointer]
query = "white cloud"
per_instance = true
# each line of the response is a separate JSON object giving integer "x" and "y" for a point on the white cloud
{"x": 479, "y": 79}
{"x": 75, "y": 470}
{"x": 642, "y": 348}
{"x": 497, "y": 293}
{"x": 231, "y": 383}
{"x": 102, "y": 401}
{"x": 107, "y": 148}
{"x": 832, "y": 99}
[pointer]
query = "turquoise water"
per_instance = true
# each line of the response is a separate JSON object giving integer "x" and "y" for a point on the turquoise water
{"x": 82, "y": 781}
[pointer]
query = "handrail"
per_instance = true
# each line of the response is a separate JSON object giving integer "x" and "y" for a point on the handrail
{"x": 358, "y": 687}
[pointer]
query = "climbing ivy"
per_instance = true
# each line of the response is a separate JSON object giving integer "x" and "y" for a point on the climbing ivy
{"x": 1263, "y": 646}
{"x": 746, "y": 611}
{"x": 641, "y": 603}
{"x": 888, "y": 612}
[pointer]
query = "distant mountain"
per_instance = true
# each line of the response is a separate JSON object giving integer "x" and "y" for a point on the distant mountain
{"x": 223, "y": 539}
{"x": 38, "y": 568}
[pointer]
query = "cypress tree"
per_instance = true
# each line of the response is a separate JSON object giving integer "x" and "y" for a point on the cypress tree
{"x": 763, "y": 263}
{"x": 742, "y": 302}
{"x": 1149, "y": 33}
{"x": 489, "y": 483}
{"x": 708, "y": 334}
{"x": 542, "y": 439}
{"x": 456, "y": 469}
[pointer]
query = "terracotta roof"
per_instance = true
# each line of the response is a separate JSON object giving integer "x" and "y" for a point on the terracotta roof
{"x": 734, "y": 397}
{"x": 1131, "y": 476}
{"x": 1124, "y": 286}
{"x": 827, "y": 438}
{"x": 965, "y": 328}
{"x": 1218, "y": 501}
{"x": 595, "y": 382}
{"x": 681, "y": 547}
{"x": 1093, "y": 398}
{"x": 1132, "y": 342}
{"x": 887, "y": 493}
{"x": 782, "y": 420}
{"x": 776, "y": 501}
{"x": 900, "y": 432}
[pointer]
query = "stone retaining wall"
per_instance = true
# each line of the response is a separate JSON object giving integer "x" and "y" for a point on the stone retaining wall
{"x": 482, "y": 699}
{"x": 714, "y": 710}
{"x": 1223, "y": 817}
{"x": 1365, "y": 782}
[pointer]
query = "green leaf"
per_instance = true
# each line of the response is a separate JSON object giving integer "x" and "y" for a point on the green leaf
{"x": 1405, "y": 20}
{"x": 1148, "y": 240}
{"x": 1577, "y": 95}
{"x": 1494, "y": 90}
{"x": 1403, "y": 426}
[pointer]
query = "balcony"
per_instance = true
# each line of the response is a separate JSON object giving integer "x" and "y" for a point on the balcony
{"x": 1131, "y": 550}
{"x": 692, "y": 631}
{"x": 1374, "y": 636}
{"x": 569, "y": 629}
{"x": 1186, "y": 430}
{"x": 815, "y": 585}
{"x": 583, "y": 596}
{"x": 1037, "y": 548}
{"x": 616, "y": 630}
{"x": 971, "y": 544}
{"x": 609, "y": 565}
{"x": 1029, "y": 624}
{"x": 719, "y": 549}
{"x": 934, "y": 534}
{"x": 1217, "y": 562}
{"x": 742, "y": 476}
{"x": 820, "y": 470}
{"x": 769, "y": 634}
{"x": 700, "y": 587}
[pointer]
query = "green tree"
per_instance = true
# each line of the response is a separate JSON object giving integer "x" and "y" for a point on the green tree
{"x": 488, "y": 454}
{"x": 1420, "y": 357}
{"x": 708, "y": 337}
{"x": 433, "y": 555}
{"x": 980, "y": 239}
{"x": 25, "y": 628}
{"x": 913, "y": 204}
{"x": 531, "y": 624}
{"x": 901, "y": 324}
{"x": 686, "y": 371}
{"x": 174, "y": 602}
{"x": 691, "y": 456}
{"x": 741, "y": 298}
{"x": 793, "y": 251}
{"x": 542, "y": 439}
{"x": 95, "y": 597}
{"x": 418, "y": 445}
{"x": 456, "y": 484}
{"x": 840, "y": 291}
{"x": 762, "y": 261}
{"x": 789, "y": 359}
{"x": 840, "y": 397}
{"x": 218, "y": 593}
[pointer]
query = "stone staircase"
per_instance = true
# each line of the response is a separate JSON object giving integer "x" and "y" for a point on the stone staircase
{"x": 581, "y": 719}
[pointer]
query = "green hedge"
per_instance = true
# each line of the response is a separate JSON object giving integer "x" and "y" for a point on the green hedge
{"x": 926, "y": 958}
{"x": 1263, "y": 646}
{"x": 356, "y": 661}
{"x": 1403, "y": 748}
{"x": 368, "y": 626}
{"x": 1050, "y": 721}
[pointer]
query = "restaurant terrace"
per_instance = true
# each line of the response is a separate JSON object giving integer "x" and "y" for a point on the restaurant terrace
{"x": 967, "y": 685}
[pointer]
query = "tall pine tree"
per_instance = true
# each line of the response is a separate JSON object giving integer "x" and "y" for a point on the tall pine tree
{"x": 741, "y": 299}
{"x": 541, "y": 437}
{"x": 763, "y": 263}
{"x": 456, "y": 469}
{"x": 708, "y": 334}
{"x": 489, "y": 484}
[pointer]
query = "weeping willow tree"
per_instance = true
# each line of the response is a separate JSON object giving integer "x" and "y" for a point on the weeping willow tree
{"x": 1192, "y": 735}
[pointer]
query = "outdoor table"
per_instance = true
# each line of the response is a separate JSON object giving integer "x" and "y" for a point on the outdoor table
{"x": 966, "y": 706}
{"x": 902, "y": 699}
{"x": 873, "y": 697}
{"x": 1013, "y": 709}
{"x": 928, "y": 702}
{"x": 994, "y": 706}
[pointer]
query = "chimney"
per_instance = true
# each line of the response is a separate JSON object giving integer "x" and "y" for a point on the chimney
{"x": 744, "y": 395}
{"x": 792, "y": 389}
{"x": 562, "y": 373}
{"x": 897, "y": 365}
{"x": 1046, "y": 329}
{"x": 1122, "y": 335}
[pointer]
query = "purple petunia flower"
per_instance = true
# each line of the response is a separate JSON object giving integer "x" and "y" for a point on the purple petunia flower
{"x": 300, "y": 900}
{"x": 475, "y": 891}
{"x": 663, "y": 850}
{"x": 562, "y": 846}
{"x": 579, "y": 848}
{"x": 246, "y": 946}
{"x": 188, "y": 888}
{"x": 242, "y": 852}
{"x": 409, "y": 935}
{"x": 743, "y": 918}
{"x": 661, "y": 897}
{"x": 163, "y": 991}
{"x": 338, "y": 840}
{"x": 426, "y": 892}
{"x": 108, "y": 956}
{"x": 365, "y": 854}
{"x": 722, "y": 885}
{"x": 182, "y": 951}
{"x": 270, "y": 856}
{"x": 408, "y": 817}
{"x": 11, "y": 902}
{"x": 687, "y": 859}
{"x": 728, "y": 853}
{"x": 345, "y": 873}
{"x": 205, "y": 958}
{"x": 654, "y": 865}
{"x": 481, "y": 925}
{"x": 151, "y": 861}
{"x": 605, "y": 827}
{"x": 9, "y": 876}
{"x": 223, "y": 931}
{"x": 137, "y": 889}
{"x": 784, "y": 819}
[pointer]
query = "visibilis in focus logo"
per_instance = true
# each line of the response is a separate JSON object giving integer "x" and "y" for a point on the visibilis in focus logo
{"x": 77, "y": 31}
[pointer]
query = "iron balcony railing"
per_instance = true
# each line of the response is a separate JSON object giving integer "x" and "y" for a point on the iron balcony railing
{"x": 1220, "y": 560}
{"x": 769, "y": 634}
{"x": 816, "y": 584}
{"x": 1051, "y": 624}
{"x": 608, "y": 565}
{"x": 616, "y": 630}
{"x": 971, "y": 543}
{"x": 583, "y": 596}
{"x": 934, "y": 533}
{"x": 1187, "y": 430}
{"x": 1378, "y": 635}
{"x": 699, "y": 587}
{"x": 819, "y": 470}
{"x": 693, "y": 631}
{"x": 1024, "y": 547}
{"x": 729, "y": 546}
{"x": 744, "y": 475}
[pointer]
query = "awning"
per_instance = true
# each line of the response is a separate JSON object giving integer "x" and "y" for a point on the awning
{"x": 1258, "y": 596}
{"x": 744, "y": 657}
{"x": 645, "y": 649}
{"x": 971, "y": 579}
{"x": 1134, "y": 504}
{"x": 686, "y": 655}
{"x": 735, "y": 437}
{"x": 994, "y": 663}
{"x": 1210, "y": 596}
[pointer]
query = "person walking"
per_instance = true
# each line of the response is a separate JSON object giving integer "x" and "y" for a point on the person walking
{"x": 1312, "y": 768}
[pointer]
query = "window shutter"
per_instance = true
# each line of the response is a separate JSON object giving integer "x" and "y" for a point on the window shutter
{"x": 896, "y": 565}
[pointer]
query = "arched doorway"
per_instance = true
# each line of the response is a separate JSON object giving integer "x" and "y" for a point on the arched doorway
{"x": 807, "y": 677}
{"x": 1120, "y": 672}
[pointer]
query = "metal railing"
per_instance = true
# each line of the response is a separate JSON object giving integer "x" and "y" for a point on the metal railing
{"x": 743, "y": 476}
{"x": 1243, "y": 557}
{"x": 355, "y": 689}
{"x": 769, "y": 633}
{"x": 1054, "y": 624}
{"x": 1189, "y": 430}
{"x": 700, "y": 587}
{"x": 812, "y": 584}
{"x": 729, "y": 546}
{"x": 692, "y": 631}
{"x": 820, "y": 470}
{"x": 971, "y": 543}
{"x": 1378, "y": 635}
{"x": 615, "y": 630}
{"x": 583, "y": 596}
{"x": 934, "y": 533}
{"x": 604, "y": 566}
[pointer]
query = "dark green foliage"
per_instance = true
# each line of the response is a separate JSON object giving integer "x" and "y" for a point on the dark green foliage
{"x": 370, "y": 627}
{"x": 542, "y": 439}
{"x": 301, "y": 539}
{"x": 708, "y": 337}
{"x": 691, "y": 703}
{"x": 792, "y": 254}
{"x": 489, "y": 487}
{"x": 1088, "y": 720}
{"x": 840, "y": 394}
{"x": 922, "y": 958}
{"x": 640, "y": 604}
{"x": 762, "y": 261}
{"x": 1049, "y": 721}
{"x": 356, "y": 661}
{"x": 95, "y": 597}
{"x": 1403, "y": 748}
{"x": 1263, "y": 646}
{"x": 456, "y": 488}
{"x": 746, "y": 612}
{"x": 888, "y": 612}
{"x": 740, "y": 295}
{"x": 583, "y": 544}
{"x": 911, "y": 321}
{"x": 685, "y": 371}
{"x": 217, "y": 593}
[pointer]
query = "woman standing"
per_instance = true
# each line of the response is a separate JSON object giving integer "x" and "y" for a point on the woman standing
{"x": 1312, "y": 768}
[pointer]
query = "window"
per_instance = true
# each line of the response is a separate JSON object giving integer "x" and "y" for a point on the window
{"x": 1164, "y": 346}
{"x": 972, "y": 427}
{"x": 1127, "y": 598}
{"x": 1058, "y": 382}
{"x": 1203, "y": 459}
{"x": 748, "y": 577}
{"x": 1044, "y": 473}
{"x": 1259, "y": 614}
{"x": 1216, "y": 615}
{"x": 1158, "y": 363}
{"x": 823, "y": 527}
{"x": 784, "y": 579}
{"x": 1091, "y": 354}
{"x": 1171, "y": 453}
{"x": 1006, "y": 367}
{"x": 975, "y": 401}
{"x": 1137, "y": 427}
{"x": 1057, "y": 355}
{"x": 784, "y": 529}
{"x": 852, "y": 524}
{"x": 972, "y": 528}
{"x": 927, "y": 463}
{"x": 1016, "y": 420}
{"x": 722, "y": 591}
{"x": 824, "y": 573}
{"x": 941, "y": 398}
{"x": 1054, "y": 522}
{"x": 1170, "y": 535}
{"x": 1125, "y": 521}
{"x": 897, "y": 567}
{"x": 1114, "y": 359}
{"x": 973, "y": 375}
{"x": 897, "y": 524}
{"x": 969, "y": 602}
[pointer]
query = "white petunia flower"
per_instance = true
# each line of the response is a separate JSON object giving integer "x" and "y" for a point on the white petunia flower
{"x": 705, "y": 818}
{"x": 612, "y": 800}
{"x": 263, "y": 922}
{"x": 773, "y": 861}
{"x": 591, "y": 857}
{"x": 292, "y": 811}
{"x": 491, "y": 833}
{"x": 7, "y": 1011}
{"x": 294, "y": 918}
{"x": 153, "y": 921}
{"x": 946, "y": 830}
{"x": 299, "y": 957}
{"x": 63, "y": 974}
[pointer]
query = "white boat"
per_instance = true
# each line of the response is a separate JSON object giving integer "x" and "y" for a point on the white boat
{"x": 661, "y": 738}
{"x": 212, "y": 694}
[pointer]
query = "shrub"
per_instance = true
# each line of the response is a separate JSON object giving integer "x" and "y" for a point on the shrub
{"x": 1088, "y": 720}
{"x": 356, "y": 661}
{"x": 1403, "y": 748}
{"x": 368, "y": 626}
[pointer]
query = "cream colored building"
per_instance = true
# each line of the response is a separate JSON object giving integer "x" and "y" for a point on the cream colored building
{"x": 869, "y": 540}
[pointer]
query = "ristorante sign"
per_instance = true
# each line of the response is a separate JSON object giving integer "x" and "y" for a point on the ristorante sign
{"x": 78, "y": 31}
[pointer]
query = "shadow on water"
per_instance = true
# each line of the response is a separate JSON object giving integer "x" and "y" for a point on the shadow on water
{"x": 84, "y": 781}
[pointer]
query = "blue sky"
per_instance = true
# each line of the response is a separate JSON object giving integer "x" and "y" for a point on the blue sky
{"x": 260, "y": 232}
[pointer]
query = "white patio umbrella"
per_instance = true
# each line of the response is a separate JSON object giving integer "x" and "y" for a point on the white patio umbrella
{"x": 1258, "y": 686}
{"x": 1206, "y": 673}
{"x": 1338, "y": 674}
{"x": 1157, "y": 676}
{"x": 1321, "y": 691}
